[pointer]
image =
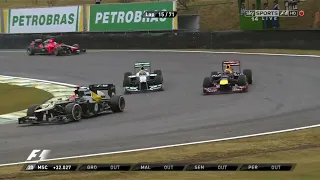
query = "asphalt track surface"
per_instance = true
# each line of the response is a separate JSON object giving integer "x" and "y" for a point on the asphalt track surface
{"x": 284, "y": 95}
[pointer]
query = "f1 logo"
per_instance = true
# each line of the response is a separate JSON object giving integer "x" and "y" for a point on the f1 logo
{"x": 36, "y": 153}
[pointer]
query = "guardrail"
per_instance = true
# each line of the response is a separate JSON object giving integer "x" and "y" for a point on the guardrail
{"x": 274, "y": 39}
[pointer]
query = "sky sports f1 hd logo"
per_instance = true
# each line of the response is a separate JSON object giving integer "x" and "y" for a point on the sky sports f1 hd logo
{"x": 39, "y": 155}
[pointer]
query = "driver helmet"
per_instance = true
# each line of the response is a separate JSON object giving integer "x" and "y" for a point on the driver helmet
{"x": 142, "y": 71}
{"x": 51, "y": 40}
{"x": 77, "y": 90}
{"x": 227, "y": 71}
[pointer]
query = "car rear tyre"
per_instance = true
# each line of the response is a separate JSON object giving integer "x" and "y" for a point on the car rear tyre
{"x": 206, "y": 82}
{"x": 126, "y": 80}
{"x": 127, "y": 74}
{"x": 248, "y": 74}
{"x": 74, "y": 110}
{"x": 38, "y": 40}
{"x": 158, "y": 72}
{"x": 76, "y": 45}
{"x": 57, "y": 51}
{"x": 214, "y": 73}
{"x": 117, "y": 104}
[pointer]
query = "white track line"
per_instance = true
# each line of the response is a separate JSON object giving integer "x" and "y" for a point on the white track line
{"x": 173, "y": 145}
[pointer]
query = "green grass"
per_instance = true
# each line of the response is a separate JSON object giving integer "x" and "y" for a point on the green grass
{"x": 16, "y": 98}
{"x": 301, "y": 147}
{"x": 215, "y": 14}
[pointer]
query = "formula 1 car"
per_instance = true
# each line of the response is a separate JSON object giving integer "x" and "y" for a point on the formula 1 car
{"x": 86, "y": 102}
{"x": 50, "y": 47}
{"x": 143, "y": 80}
{"x": 228, "y": 81}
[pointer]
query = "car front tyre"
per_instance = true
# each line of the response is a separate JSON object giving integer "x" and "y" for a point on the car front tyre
{"x": 30, "y": 51}
{"x": 74, "y": 110}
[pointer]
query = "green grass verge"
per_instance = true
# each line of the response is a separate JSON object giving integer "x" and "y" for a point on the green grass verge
{"x": 16, "y": 98}
{"x": 301, "y": 147}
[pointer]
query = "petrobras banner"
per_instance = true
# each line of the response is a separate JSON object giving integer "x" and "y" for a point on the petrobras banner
{"x": 44, "y": 20}
{"x": 129, "y": 17}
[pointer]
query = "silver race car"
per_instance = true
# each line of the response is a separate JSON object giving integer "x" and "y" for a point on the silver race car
{"x": 143, "y": 79}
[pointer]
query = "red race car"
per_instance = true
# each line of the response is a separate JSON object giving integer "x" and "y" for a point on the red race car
{"x": 50, "y": 47}
{"x": 230, "y": 80}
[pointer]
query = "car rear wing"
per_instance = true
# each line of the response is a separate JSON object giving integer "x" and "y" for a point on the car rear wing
{"x": 231, "y": 63}
{"x": 111, "y": 88}
{"x": 142, "y": 64}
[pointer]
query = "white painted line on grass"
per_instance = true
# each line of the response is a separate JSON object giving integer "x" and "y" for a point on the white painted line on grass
{"x": 167, "y": 146}
{"x": 39, "y": 80}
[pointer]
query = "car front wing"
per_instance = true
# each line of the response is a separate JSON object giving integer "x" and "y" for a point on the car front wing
{"x": 78, "y": 51}
{"x": 55, "y": 119}
{"x": 151, "y": 88}
{"x": 216, "y": 90}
